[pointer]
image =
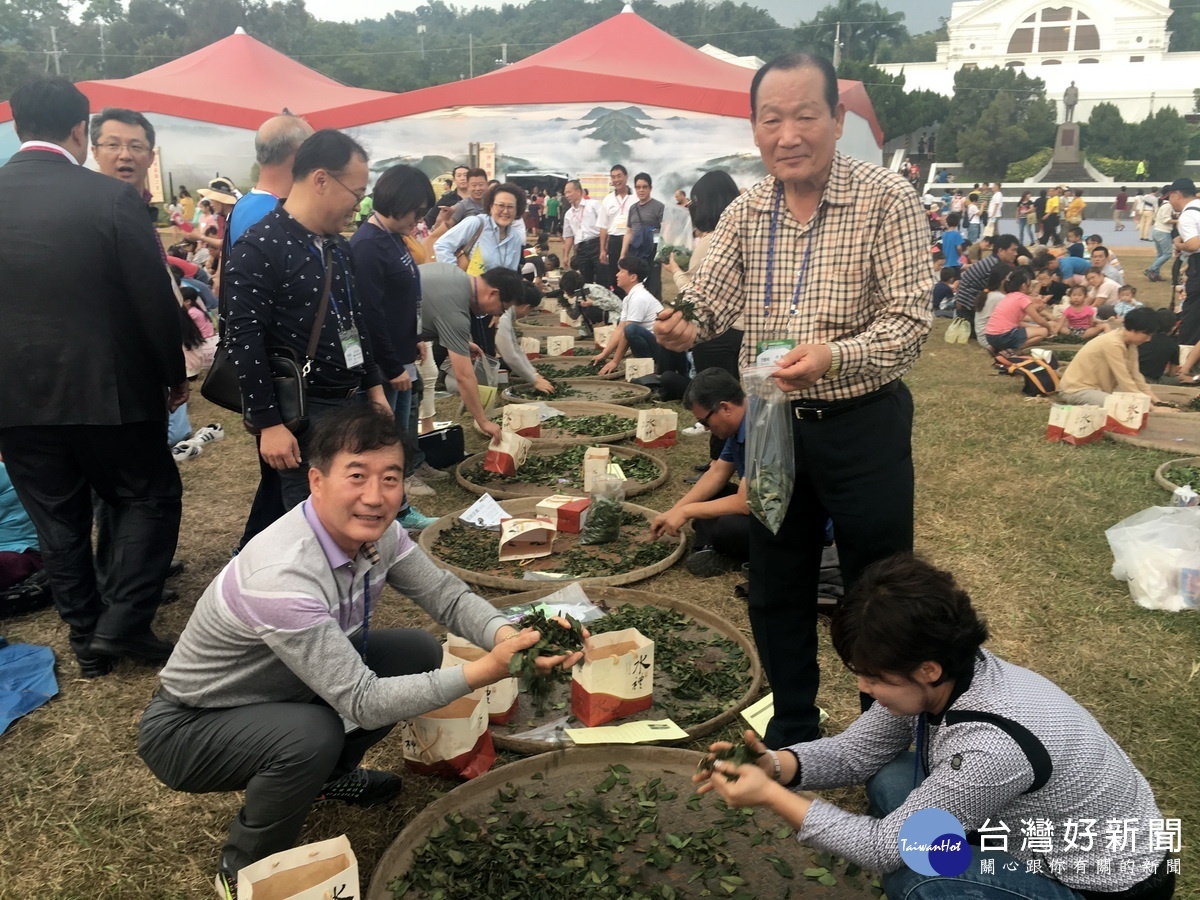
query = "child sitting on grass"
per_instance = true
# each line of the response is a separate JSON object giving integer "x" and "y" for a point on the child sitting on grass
{"x": 1006, "y": 329}
{"x": 1078, "y": 318}
{"x": 1127, "y": 300}
{"x": 943, "y": 292}
{"x": 991, "y": 296}
{"x": 1075, "y": 242}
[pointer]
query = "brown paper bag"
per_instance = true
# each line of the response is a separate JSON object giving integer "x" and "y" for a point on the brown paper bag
{"x": 616, "y": 678}
{"x": 657, "y": 427}
{"x": 522, "y": 419}
{"x": 602, "y": 334}
{"x": 500, "y": 698}
{"x": 1076, "y": 424}
{"x": 453, "y": 742}
{"x": 636, "y": 367}
{"x": 595, "y": 463}
{"x": 560, "y": 345}
{"x": 507, "y": 455}
{"x": 1126, "y": 412}
{"x": 317, "y": 871}
{"x": 526, "y": 539}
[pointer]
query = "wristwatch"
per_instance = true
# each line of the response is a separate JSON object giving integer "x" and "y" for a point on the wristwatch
{"x": 835, "y": 361}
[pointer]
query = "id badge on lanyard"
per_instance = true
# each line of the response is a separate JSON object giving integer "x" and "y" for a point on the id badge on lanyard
{"x": 351, "y": 346}
{"x": 771, "y": 352}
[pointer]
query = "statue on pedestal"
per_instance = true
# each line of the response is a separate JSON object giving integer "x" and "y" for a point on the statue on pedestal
{"x": 1070, "y": 98}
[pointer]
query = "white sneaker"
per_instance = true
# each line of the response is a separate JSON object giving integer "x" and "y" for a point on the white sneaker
{"x": 696, "y": 430}
{"x": 209, "y": 434}
{"x": 428, "y": 473}
{"x": 186, "y": 450}
{"x": 415, "y": 487}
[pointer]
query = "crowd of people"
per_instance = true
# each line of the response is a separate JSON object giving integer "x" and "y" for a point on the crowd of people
{"x": 279, "y": 684}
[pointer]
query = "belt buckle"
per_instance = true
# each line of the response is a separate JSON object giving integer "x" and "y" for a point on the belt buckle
{"x": 817, "y": 413}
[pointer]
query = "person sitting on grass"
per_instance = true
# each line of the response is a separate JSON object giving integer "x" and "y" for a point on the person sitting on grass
{"x": 1158, "y": 358}
{"x": 997, "y": 747}
{"x": 1126, "y": 300}
{"x": 1102, "y": 291}
{"x": 1101, "y": 257}
{"x": 274, "y": 687}
{"x": 1006, "y": 328}
{"x": 1078, "y": 318}
{"x": 717, "y": 509}
{"x": 633, "y": 332}
{"x": 1109, "y": 363}
{"x": 943, "y": 292}
{"x": 1075, "y": 242}
{"x": 992, "y": 296}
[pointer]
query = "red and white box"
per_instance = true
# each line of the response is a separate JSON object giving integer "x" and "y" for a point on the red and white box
{"x": 560, "y": 345}
{"x": 616, "y": 678}
{"x": 1126, "y": 412}
{"x": 569, "y": 514}
{"x": 657, "y": 428}
{"x": 602, "y": 334}
{"x": 502, "y": 697}
{"x": 1076, "y": 424}
{"x": 522, "y": 419}
{"x": 531, "y": 347}
{"x": 507, "y": 455}
{"x": 636, "y": 367}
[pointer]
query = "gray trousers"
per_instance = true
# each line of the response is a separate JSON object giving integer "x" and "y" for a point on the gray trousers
{"x": 281, "y": 754}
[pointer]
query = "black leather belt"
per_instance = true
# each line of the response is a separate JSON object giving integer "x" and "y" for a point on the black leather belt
{"x": 818, "y": 410}
{"x": 328, "y": 393}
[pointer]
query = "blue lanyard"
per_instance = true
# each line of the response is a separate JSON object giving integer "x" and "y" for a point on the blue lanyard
{"x": 771, "y": 258}
{"x": 401, "y": 248}
{"x": 341, "y": 264}
{"x": 920, "y": 741}
{"x": 366, "y": 612}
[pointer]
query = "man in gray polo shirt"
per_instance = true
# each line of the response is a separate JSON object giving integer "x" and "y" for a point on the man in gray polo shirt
{"x": 641, "y": 237}
{"x": 278, "y": 685}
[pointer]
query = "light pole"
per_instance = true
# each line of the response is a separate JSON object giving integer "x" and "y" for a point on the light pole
{"x": 421, "y": 35}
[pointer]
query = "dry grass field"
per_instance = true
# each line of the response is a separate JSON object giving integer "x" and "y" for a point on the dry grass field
{"x": 1020, "y": 521}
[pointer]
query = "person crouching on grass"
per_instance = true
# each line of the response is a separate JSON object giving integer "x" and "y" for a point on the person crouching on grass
{"x": 274, "y": 687}
{"x": 996, "y": 745}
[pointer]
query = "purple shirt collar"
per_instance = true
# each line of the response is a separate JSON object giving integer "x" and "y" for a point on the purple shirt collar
{"x": 334, "y": 554}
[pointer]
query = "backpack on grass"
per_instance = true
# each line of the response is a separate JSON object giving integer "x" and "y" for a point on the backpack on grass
{"x": 1039, "y": 377}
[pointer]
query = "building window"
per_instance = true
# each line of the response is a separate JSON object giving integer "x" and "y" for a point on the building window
{"x": 1055, "y": 29}
{"x": 1051, "y": 62}
{"x": 1137, "y": 59}
{"x": 1014, "y": 63}
{"x": 1090, "y": 59}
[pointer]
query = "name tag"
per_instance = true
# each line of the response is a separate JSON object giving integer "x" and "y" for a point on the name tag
{"x": 351, "y": 347}
{"x": 771, "y": 352}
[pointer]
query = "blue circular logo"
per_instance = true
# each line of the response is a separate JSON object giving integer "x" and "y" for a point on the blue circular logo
{"x": 933, "y": 842}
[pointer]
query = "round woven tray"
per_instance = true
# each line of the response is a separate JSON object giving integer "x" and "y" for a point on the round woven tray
{"x": 1160, "y": 474}
{"x": 581, "y": 408}
{"x": 596, "y": 390}
{"x": 565, "y": 363}
{"x": 1173, "y": 432}
{"x": 1175, "y": 393}
{"x": 527, "y": 507}
{"x": 502, "y": 491}
{"x": 614, "y": 597}
{"x": 526, "y": 329}
{"x": 555, "y": 775}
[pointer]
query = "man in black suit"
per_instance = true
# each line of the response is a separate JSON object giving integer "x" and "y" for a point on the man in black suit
{"x": 90, "y": 362}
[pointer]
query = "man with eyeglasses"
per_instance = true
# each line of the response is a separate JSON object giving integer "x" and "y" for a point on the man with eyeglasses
{"x": 716, "y": 509}
{"x": 274, "y": 281}
{"x": 90, "y": 360}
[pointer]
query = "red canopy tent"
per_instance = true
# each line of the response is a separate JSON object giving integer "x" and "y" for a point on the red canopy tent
{"x": 622, "y": 59}
{"x": 238, "y": 81}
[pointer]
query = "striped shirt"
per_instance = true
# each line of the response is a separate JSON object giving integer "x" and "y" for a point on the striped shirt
{"x": 865, "y": 286}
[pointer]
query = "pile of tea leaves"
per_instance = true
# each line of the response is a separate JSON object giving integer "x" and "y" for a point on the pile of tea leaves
{"x": 1181, "y": 475}
{"x": 528, "y": 392}
{"x": 551, "y": 371}
{"x": 554, "y": 641}
{"x": 592, "y": 426}
{"x": 478, "y": 550}
{"x": 563, "y": 469}
{"x": 625, "y": 837}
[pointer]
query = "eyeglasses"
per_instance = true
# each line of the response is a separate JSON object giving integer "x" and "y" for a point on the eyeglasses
{"x": 358, "y": 198}
{"x": 711, "y": 413}
{"x": 504, "y": 207}
{"x": 136, "y": 148}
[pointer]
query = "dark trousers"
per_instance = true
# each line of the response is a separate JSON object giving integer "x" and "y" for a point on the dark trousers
{"x": 281, "y": 754}
{"x": 728, "y": 535}
{"x": 644, "y": 345}
{"x": 54, "y": 470}
{"x": 609, "y": 270}
{"x": 1189, "y": 317}
{"x": 587, "y": 260}
{"x": 722, "y": 352}
{"x": 281, "y": 489}
{"x": 857, "y": 469}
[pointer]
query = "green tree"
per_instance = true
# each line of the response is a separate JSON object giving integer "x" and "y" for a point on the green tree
{"x": 1107, "y": 133}
{"x": 862, "y": 27}
{"x": 918, "y": 48}
{"x": 1163, "y": 139}
{"x": 974, "y": 91}
{"x": 1184, "y": 25}
{"x": 899, "y": 112}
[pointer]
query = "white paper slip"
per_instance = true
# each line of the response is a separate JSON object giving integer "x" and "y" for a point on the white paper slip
{"x": 758, "y": 715}
{"x": 629, "y": 733}
{"x": 484, "y": 513}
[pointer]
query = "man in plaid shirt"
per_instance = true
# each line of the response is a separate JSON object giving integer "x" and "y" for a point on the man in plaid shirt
{"x": 827, "y": 259}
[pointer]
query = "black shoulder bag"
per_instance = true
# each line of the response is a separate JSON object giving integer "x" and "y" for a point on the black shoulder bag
{"x": 287, "y": 373}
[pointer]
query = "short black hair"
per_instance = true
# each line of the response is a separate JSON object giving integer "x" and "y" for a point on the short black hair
{"x": 327, "y": 149}
{"x": 454, "y": 171}
{"x": 953, "y": 220}
{"x": 997, "y": 277}
{"x": 643, "y": 176}
{"x": 712, "y": 192}
{"x": 1075, "y": 230}
{"x": 711, "y": 387}
{"x": 635, "y": 265}
{"x": 570, "y": 282}
{"x": 354, "y": 429}
{"x": 1143, "y": 320}
{"x": 510, "y": 285}
{"x": 1042, "y": 261}
{"x": 530, "y": 295}
{"x": 124, "y": 116}
{"x": 1100, "y": 248}
{"x": 47, "y": 109}
{"x": 787, "y": 63}
{"x": 552, "y": 261}
{"x": 1016, "y": 280}
{"x": 1005, "y": 242}
{"x": 902, "y": 612}
{"x": 507, "y": 187}
{"x": 949, "y": 273}
{"x": 619, "y": 168}
{"x": 401, "y": 190}
{"x": 476, "y": 173}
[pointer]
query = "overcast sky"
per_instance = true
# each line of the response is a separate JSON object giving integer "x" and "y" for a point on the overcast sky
{"x": 919, "y": 15}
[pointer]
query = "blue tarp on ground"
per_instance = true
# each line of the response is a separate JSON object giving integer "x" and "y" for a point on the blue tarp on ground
{"x": 26, "y": 680}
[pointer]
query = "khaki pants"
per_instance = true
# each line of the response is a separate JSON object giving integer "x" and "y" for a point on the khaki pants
{"x": 1145, "y": 221}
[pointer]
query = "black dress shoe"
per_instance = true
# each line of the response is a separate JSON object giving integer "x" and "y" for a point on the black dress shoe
{"x": 93, "y": 666}
{"x": 169, "y": 595}
{"x": 175, "y": 568}
{"x": 147, "y": 647}
{"x": 703, "y": 468}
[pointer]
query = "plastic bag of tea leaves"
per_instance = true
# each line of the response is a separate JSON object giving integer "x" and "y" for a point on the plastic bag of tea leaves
{"x": 770, "y": 457}
{"x": 605, "y": 511}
